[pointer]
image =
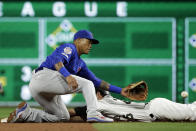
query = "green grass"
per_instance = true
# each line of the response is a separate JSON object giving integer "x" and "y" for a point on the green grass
{"x": 5, "y": 111}
{"x": 141, "y": 126}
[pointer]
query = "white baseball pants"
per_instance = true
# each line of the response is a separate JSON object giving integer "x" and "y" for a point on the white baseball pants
{"x": 164, "y": 109}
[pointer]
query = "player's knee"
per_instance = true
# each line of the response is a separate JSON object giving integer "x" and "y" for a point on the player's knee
{"x": 65, "y": 117}
{"x": 88, "y": 83}
{"x": 62, "y": 114}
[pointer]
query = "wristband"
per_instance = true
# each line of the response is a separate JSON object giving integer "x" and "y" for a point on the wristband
{"x": 64, "y": 72}
{"x": 115, "y": 89}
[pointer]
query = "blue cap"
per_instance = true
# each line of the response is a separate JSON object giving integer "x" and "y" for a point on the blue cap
{"x": 85, "y": 34}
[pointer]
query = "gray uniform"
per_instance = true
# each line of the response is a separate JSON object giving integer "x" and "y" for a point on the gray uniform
{"x": 46, "y": 86}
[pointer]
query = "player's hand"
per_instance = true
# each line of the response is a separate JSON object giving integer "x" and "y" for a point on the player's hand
{"x": 124, "y": 92}
{"x": 71, "y": 81}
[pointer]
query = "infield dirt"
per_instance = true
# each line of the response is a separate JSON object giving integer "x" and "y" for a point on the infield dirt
{"x": 47, "y": 127}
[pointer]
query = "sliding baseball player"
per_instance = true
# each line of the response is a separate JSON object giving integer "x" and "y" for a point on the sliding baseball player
{"x": 158, "y": 109}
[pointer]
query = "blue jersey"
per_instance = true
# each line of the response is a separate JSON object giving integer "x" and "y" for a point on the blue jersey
{"x": 68, "y": 55}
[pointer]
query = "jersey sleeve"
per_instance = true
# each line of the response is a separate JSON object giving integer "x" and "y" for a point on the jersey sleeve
{"x": 62, "y": 54}
{"x": 88, "y": 74}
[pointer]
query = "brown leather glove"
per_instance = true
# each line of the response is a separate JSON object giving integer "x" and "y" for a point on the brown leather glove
{"x": 137, "y": 91}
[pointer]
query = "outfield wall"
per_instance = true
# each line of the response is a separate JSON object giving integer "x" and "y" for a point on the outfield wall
{"x": 151, "y": 41}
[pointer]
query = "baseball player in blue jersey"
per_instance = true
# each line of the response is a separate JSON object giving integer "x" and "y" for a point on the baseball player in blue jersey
{"x": 64, "y": 72}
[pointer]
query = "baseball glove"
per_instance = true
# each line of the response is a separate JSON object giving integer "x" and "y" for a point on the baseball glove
{"x": 137, "y": 91}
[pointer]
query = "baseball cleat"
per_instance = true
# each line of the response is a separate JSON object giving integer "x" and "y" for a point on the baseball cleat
{"x": 16, "y": 115}
{"x": 99, "y": 118}
{"x": 4, "y": 120}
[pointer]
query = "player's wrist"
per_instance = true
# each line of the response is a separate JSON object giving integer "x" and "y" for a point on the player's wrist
{"x": 115, "y": 89}
{"x": 64, "y": 72}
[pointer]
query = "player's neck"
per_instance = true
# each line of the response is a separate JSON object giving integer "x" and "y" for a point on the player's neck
{"x": 78, "y": 51}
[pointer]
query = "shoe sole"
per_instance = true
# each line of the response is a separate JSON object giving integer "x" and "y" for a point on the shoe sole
{"x": 4, "y": 120}
{"x": 17, "y": 111}
{"x": 93, "y": 119}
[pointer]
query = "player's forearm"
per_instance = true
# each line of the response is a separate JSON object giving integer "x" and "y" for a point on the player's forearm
{"x": 106, "y": 86}
{"x": 60, "y": 67}
{"x": 71, "y": 81}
